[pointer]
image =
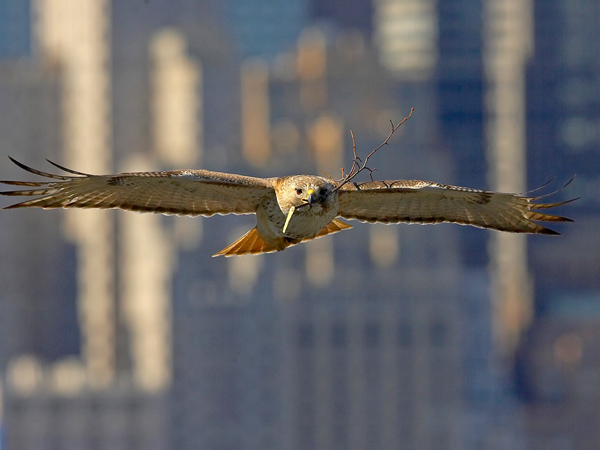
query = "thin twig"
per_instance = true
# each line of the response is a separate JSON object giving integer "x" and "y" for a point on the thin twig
{"x": 358, "y": 165}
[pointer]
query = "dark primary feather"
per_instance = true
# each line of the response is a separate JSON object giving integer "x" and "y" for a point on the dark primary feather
{"x": 182, "y": 192}
{"x": 414, "y": 201}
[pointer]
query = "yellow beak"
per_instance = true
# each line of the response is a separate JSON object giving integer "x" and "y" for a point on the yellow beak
{"x": 311, "y": 198}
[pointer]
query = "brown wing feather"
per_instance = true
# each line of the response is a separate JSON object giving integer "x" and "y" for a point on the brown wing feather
{"x": 423, "y": 202}
{"x": 182, "y": 192}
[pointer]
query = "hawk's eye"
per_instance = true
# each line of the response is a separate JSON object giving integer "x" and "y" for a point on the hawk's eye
{"x": 299, "y": 191}
{"x": 322, "y": 191}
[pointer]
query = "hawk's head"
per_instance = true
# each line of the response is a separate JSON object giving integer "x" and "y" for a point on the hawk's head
{"x": 310, "y": 199}
{"x": 304, "y": 191}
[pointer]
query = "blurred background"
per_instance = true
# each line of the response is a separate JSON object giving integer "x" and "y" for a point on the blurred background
{"x": 119, "y": 331}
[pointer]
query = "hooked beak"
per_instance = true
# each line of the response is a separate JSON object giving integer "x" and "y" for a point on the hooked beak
{"x": 311, "y": 198}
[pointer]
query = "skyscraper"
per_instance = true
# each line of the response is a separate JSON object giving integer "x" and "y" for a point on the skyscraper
{"x": 73, "y": 35}
{"x": 563, "y": 111}
{"x": 36, "y": 300}
{"x": 507, "y": 49}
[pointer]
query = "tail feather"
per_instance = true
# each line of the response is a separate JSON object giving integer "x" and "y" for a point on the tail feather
{"x": 252, "y": 243}
{"x": 335, "y": 226}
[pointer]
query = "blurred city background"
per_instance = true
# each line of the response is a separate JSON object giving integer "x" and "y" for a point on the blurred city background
{"x": 119, "y": 331}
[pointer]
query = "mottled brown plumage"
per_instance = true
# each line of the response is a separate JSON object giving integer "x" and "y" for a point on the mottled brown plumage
{"x": 289, "y": 210}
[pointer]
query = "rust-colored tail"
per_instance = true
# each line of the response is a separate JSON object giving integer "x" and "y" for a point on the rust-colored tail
{"x": 252, "y": 243}
{"x": 335, "y": 226}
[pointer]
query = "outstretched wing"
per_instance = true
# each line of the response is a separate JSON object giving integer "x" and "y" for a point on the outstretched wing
{"x": 181, "y": 192}
{"x": 414, "y": 201}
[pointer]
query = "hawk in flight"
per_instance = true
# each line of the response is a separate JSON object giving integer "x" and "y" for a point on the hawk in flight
{"x": 289, "y": 210}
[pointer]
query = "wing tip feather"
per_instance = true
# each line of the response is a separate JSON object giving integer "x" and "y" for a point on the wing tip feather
{"x": 75, "y": 172}
{"x": 548, "y": 232}
{"x": 38, "y": 172}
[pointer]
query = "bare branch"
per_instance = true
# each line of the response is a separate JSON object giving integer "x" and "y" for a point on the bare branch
{"x": 359, "y": 165}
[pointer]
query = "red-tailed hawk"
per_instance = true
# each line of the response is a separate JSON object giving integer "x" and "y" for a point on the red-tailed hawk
{"x": 289, "y": 210}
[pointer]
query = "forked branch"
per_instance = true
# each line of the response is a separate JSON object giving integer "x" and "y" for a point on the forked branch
{"x": 359, "y": 165}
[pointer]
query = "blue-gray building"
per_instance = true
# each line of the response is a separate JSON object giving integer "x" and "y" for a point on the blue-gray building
{"x": 564, "y": 140}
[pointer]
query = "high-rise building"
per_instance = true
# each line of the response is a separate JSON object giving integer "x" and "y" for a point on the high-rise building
{"x": 73, "y": 35}
{"x": 406, "y": 34}
{"x": 37, "y": 298}
{"x": 37, "y": 313}
{"x": 435, "y": 51}
{"x": 465, "y": 62}
{"x": 563, "y": 111}
{"x": 148, "y": 247}
{"x": 558, "y": 359}
{"x": 507, "y": 50}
